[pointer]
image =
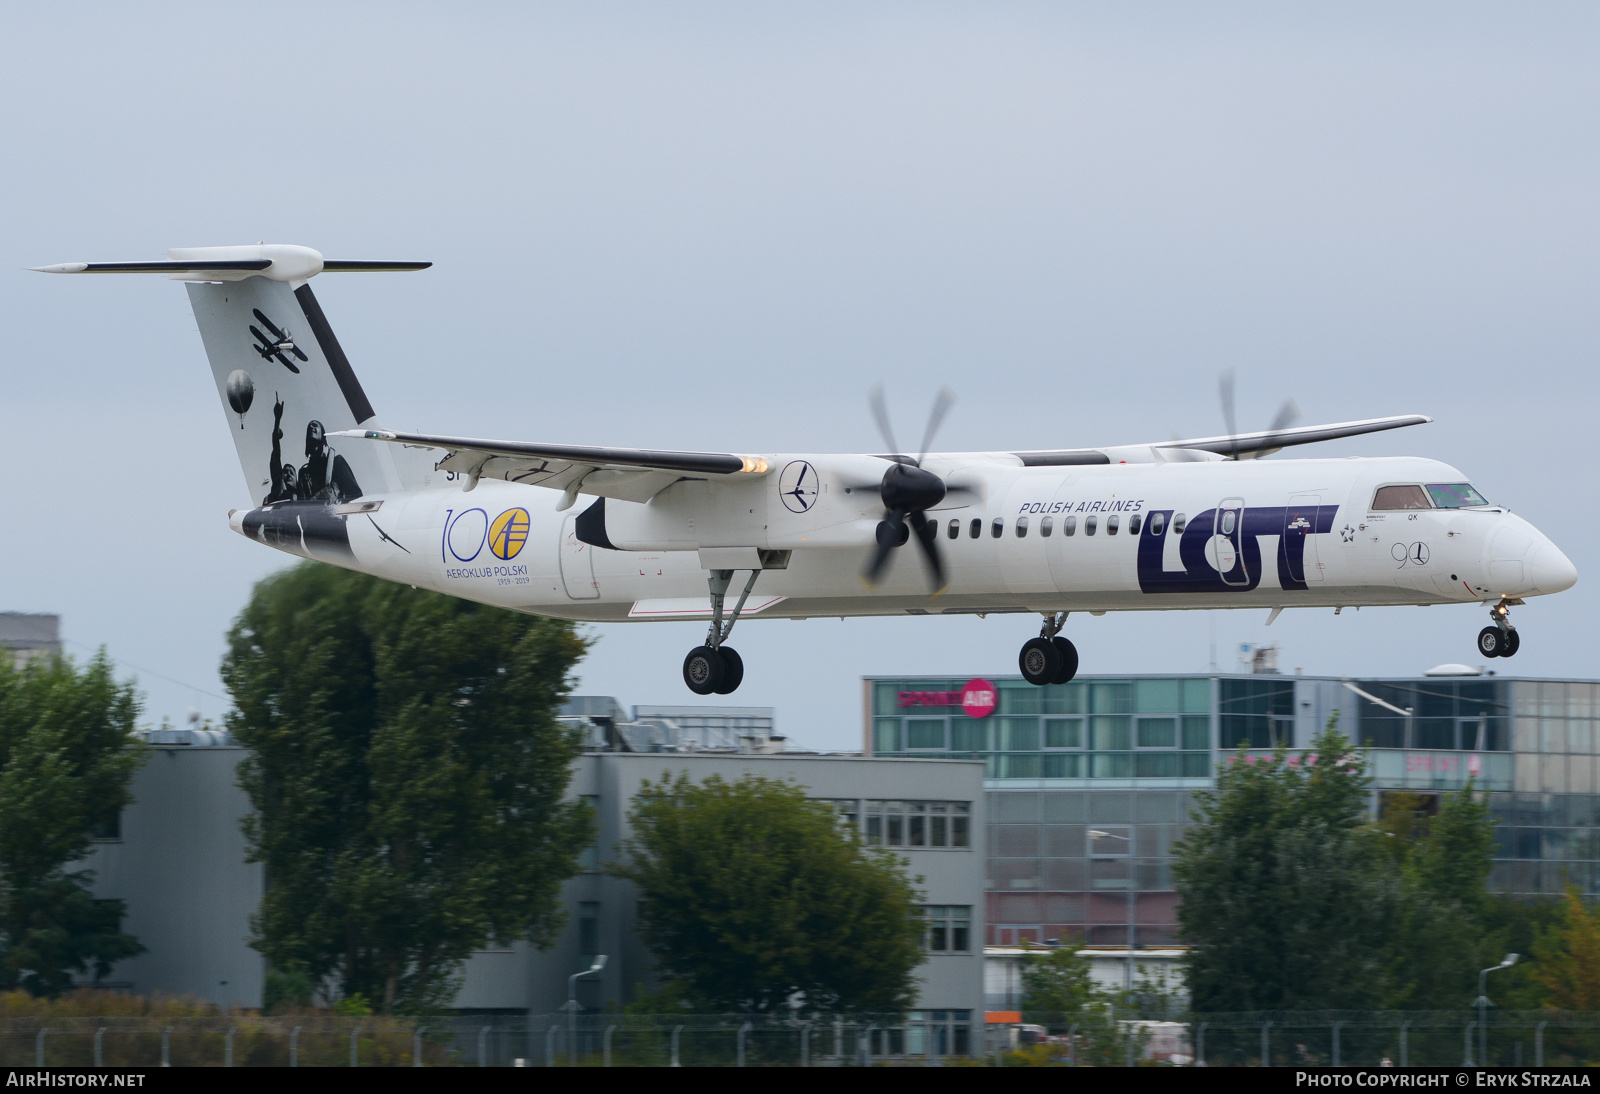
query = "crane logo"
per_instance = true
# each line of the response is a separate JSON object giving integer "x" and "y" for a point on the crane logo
{"x": 797, "y": 486}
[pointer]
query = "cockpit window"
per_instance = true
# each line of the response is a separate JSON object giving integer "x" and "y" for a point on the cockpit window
{"x": 1400, "y": 497}
{"x": 1455, "y": 495}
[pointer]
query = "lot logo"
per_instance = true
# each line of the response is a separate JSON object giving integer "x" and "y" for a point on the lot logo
{"x": 508, "y": 533}
{"x": 797, "y": 486}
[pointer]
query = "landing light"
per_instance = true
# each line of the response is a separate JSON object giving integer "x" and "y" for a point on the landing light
{"x": 754, "y": 465}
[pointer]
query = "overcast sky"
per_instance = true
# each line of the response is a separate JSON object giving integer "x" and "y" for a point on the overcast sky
{"x": 714, "y": 226}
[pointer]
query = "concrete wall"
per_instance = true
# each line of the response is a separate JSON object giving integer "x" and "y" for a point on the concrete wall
{"x": 179, "y": 864}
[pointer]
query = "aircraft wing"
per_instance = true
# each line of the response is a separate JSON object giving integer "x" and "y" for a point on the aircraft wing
{"x": 1244, "y": 446}
{"x": 1249, "y": 446}
{"x": 628, "y": 474}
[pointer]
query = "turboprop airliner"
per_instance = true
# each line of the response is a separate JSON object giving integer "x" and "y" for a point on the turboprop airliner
{"x": 1195, "y": 524}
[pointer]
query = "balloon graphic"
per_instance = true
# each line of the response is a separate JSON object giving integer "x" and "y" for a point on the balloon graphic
{"x": 241, "y": 392}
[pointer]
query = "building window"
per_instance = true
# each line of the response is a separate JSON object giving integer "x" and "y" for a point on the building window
{"x": 109, "y": 828}
{"x": 949, "y": 928}
{"x": 588, "y": 930}
{"x": 589, "y": 859}
{"x": 918, "y": 824}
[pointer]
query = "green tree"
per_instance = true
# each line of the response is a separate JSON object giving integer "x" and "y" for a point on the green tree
{"x": 1285, "y": 893}
{"x": 1569, "y": 958}
{"x": 67, "y": 757}
{"x": 408, "y": 778}
{"x": 1442, "y": 934}
{"x": 750, "y": 893}
{"x": 1057, "y": 988}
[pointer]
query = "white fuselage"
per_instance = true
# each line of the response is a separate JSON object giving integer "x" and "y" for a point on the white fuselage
{"x": 1301, "y": 533}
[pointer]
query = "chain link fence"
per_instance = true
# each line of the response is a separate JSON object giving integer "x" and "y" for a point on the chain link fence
{"x": 551, "y": 1040}
{"x": 1497, "y": 1038}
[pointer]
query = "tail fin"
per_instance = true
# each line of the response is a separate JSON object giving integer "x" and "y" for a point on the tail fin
{"x": 284, "y": 380}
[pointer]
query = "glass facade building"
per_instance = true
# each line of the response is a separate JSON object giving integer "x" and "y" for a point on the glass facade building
{"x": 1090, "y": 783}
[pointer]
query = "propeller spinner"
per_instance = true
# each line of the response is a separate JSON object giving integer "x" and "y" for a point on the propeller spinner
{"x": 908, "y": 491}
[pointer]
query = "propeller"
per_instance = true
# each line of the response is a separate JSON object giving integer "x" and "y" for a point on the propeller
{"x": 908, "y": 491}
{"x": 1287, "y": 415}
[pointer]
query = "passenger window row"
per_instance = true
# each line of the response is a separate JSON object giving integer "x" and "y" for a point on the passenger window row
{"x": 1069, "y": 525}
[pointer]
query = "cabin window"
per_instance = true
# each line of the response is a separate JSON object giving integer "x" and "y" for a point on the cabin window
{"x": 1022, "y": 527}
{"x": 1455, "y": 495}
{"x": 1230, "y": 521}
{"x": 1158, "y": 523}
{"x": 1111, "y": 523}
{"x": 1089, "y": 523}
{"x": 998, "y": 528}
{"x": 955, "y": 529}
{"x": 977, "y": 527}
{"x": 1179, "y": 523}
{"x": 1046, "y": 526}
{"x": 1400, "y": 497}
{"x": 1133, "y": 524}
{"x": 1069, "y": 525}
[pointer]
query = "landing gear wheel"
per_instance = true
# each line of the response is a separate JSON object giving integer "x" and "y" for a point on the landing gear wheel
{"x": 703, "y": 670}
{"x": 1040, "y": 661}
{"x": 1069, "y": 660}
{"x": 732, "y": 670}
{"x": 1492, "y": 642}
{"x": 1512, "y": 643}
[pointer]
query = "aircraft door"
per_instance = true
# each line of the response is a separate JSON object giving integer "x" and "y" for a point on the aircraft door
{"x": 1225, "y": 549}
{"x": 577, "y": 563}
{"x": 1299, "y": 548}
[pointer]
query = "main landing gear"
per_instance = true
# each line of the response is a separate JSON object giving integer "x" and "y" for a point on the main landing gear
{"x": 1049, "y": 659}
{"x": 1500, "y": 640}
{"x": 715, "y": 669}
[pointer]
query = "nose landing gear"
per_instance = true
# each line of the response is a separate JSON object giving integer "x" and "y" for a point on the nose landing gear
{"x": 1049, "y": 659}
{"x": 1501, "y": 639}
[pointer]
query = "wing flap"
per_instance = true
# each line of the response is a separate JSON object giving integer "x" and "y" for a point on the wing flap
{"x": 627, "y": 474}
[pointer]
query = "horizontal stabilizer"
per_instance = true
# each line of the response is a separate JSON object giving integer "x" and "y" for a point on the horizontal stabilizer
{"x": 276, "y": 261}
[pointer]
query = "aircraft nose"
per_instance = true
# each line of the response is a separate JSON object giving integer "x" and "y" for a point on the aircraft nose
{"x": 1550, "y": 570}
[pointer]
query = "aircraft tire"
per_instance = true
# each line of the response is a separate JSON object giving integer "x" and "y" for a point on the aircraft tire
{"x": 1491, "y": 643}
{"x": 732, "y": 671}
{"x": 703, "y": 670}
{"x": 1039, "y": 661}
{"x": 1069, "y": 660}
{"x": 1513, "y": 642}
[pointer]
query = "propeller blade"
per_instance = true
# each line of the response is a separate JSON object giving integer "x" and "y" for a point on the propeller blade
{"x": 926, "y": 533}
{"x": 1225, "y": 390}
{"x": 888, "y": 540}
{"x": 941, "y": 406}
{"x": 880, "y": 414}
{"x": 1287, "y": 415}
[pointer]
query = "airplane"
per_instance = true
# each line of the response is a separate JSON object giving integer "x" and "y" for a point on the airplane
{"x": 1199, "y": 524}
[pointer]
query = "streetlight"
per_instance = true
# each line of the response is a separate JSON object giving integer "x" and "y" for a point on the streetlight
{"x": 1127, "y": 978}
{"x": 572, "y": 1007}
{"x": 1483, "y": 1007}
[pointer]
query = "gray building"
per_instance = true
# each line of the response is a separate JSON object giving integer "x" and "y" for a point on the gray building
{"x": 178, "y": 861}
{"x": 28, "y": 635}
{"x": 1089, "y": 784}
